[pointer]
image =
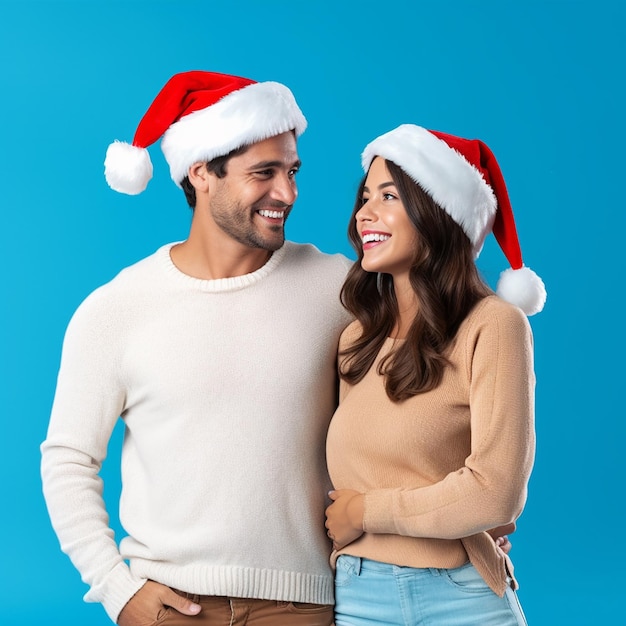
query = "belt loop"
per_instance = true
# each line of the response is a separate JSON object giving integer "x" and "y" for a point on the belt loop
{"x": 357, "y": 565}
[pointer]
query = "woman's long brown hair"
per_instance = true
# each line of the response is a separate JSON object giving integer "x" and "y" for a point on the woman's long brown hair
{"x": 447, "y": 284}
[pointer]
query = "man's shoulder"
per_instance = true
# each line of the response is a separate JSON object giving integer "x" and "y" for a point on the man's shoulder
{"x": 309, "y": 254}
{"x": 144, "y": 267}
{"x": 129, "y": 281}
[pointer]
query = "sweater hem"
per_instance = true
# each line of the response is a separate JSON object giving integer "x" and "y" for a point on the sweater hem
{"x": 240, "y": 582}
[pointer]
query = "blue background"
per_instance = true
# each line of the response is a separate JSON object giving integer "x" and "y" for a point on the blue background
{"x": 540, "y": 82}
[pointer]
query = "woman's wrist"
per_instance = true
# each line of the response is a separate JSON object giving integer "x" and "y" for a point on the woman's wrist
{"x": 356, "y": 511}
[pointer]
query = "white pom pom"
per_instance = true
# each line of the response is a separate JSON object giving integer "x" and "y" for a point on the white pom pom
{"x": 127, "y": 168}
{"x": 522, "y": 288}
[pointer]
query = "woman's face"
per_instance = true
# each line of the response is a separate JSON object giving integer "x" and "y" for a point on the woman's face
{"x": 388, "y": 237}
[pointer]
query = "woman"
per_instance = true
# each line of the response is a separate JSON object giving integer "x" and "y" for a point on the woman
{"x": 433, "y": 440}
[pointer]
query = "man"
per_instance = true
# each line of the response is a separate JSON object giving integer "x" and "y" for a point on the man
{"x": 219, "y": 355}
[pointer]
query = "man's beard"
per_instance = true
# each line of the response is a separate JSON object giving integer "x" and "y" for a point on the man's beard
{"x": 238, "y": 223}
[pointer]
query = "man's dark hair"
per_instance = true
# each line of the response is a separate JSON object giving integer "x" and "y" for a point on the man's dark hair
{"x": 217, "y": 166}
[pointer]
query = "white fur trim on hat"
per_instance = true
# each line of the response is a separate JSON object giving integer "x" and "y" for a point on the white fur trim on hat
{"x": 127, "y": 168}
{"x": 453, "y": 183}
{"x": 243, "y": 117}
{"x": 523, "y": 288}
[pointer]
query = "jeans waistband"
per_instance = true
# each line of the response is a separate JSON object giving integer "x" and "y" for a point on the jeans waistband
{"x": 356, "y": 564}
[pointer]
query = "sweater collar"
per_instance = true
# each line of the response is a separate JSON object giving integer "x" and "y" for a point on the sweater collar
{"x": 220, "y": 284}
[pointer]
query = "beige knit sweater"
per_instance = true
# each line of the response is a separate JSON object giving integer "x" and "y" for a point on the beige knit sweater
{"x": 441, "y": 468}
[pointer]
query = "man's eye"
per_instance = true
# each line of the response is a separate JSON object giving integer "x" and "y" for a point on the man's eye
{"x": 293, "y": 172}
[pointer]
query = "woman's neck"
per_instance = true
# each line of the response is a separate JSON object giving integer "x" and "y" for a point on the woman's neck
{"x": 408, "y": 306}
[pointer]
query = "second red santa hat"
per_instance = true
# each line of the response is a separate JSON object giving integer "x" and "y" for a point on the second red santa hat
{"x": 463, "y": 177}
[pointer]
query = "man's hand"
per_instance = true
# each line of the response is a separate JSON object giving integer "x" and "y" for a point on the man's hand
{"x": 500, "y": 536}
{"x": 344, "y": 517}
{"x": 146, "y": 605}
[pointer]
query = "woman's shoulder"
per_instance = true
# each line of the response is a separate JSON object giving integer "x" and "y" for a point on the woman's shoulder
{"x": 350, "y": 334}
{"x": 495, "y": 306}
{"x": 495, "y": 313}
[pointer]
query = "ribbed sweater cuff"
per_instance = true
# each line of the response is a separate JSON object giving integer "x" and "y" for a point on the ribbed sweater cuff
{"x": 115, "y": 591}
{"x": 378, "y": 515}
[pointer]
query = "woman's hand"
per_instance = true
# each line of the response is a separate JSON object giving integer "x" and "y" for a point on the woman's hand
{"x": 344, "y": 517}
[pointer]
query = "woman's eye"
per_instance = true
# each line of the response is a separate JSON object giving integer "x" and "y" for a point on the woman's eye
{"x": 388, "y": 196}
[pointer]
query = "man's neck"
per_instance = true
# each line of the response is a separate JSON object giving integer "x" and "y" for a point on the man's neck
{"x": 219, "y": 257}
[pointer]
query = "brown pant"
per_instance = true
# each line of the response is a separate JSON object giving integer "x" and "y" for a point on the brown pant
{"x": 223, "y": 611}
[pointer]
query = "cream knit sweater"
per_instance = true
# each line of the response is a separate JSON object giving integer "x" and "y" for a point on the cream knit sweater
{"x": 444, "y": 466}
{"x": 226, "y": 388}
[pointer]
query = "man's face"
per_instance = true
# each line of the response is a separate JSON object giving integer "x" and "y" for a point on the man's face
{"x": 252, "y": 202}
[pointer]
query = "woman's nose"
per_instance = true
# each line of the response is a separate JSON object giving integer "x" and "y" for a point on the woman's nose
{"x": 364, "y": 213}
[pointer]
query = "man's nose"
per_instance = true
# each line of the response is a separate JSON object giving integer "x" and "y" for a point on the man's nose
{"x": 284, "y": 189}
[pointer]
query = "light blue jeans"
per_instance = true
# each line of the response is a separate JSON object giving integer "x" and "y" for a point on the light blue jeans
{"x": 368, "y": 592}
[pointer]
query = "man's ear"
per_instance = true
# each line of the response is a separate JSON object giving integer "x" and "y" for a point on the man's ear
{"x": 199, "y": 176}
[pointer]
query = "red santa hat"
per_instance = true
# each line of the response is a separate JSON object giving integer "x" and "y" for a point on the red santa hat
{"x": 201, "y": 116}
{"x": 463, "y": 177}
